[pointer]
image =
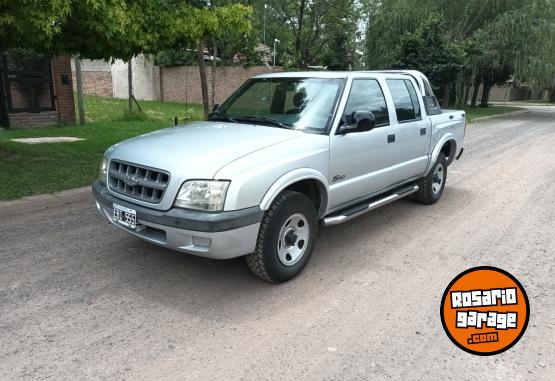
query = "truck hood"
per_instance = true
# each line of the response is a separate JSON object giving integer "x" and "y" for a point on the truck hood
{"x": 200, "y": 149}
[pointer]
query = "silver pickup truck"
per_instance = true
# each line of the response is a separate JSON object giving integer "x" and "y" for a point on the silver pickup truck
{"x": 284, "y": 155}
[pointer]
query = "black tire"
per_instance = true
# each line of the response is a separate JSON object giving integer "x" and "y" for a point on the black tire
{"x": 264, "y": 262}
{"x": 426, "y": 194}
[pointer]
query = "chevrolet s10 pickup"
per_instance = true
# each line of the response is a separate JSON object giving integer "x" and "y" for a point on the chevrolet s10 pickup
{"x": 284, "y": 155}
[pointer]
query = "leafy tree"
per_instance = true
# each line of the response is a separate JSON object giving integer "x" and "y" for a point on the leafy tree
{"x": 339, "y": 35}
{"x": 498, "y": 37}
{"x": 525, "y": 39}
{"x": 31, "y": 25}
{"x": 310, "y": 32}
{"x": 428, "y": 50}
{"x": 111, "y": 29}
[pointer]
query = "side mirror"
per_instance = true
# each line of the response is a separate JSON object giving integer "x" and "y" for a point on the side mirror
{"x": 215, "y": 107}
{"x": 360, "y": 121}
{"x": 432, "y": 105}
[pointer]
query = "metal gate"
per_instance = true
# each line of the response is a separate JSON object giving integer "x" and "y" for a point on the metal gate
{"x": 26, "y": 82}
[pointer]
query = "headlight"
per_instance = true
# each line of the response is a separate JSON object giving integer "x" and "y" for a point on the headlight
{"x": 202, "y": 194}
{"x": 103, "y": 172}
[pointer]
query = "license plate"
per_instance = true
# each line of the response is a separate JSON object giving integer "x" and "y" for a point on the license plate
{"x": 125, "y": 216}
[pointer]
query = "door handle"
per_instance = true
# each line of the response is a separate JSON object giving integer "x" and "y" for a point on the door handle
{"x": 422, "y": 131}
{"x": 391, "y": 138}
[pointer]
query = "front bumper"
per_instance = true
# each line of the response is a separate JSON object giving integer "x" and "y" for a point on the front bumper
{"x": 220, "y": 235}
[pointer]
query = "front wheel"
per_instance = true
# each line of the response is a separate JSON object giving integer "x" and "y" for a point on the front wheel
{"x": 286, "y": 238}
{"x": 431, "y": 186}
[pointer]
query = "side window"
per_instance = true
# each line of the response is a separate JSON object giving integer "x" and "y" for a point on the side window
{"x": 413, "y": 98}
{"x": 367, "y": 95}
{"x": 405, "y": 99}
{"x": 427, "y": 87}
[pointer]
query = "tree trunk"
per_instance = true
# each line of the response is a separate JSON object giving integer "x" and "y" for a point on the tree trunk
{"x": 214, "y": 56}
{"x": 80, "y": 97}
{"x": 475, "y": 90}
{"x": 298, "y": 37}
{"x": 485, "y": 94}
{"x": 466, "y": 94}
{"x": 4, "y": 119}
{"x": 130, "y": 83}
{"x": 203, "y": 82}
{"x": 460, "y": 90}
{"x": 446, "y": 96}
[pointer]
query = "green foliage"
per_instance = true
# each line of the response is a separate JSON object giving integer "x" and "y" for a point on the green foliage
{"x": 176, "y": 57}
{"x": 339, "y": 35}
{"x": 109, "y": 29}
{"x": 489, "y": 40}
{"x": 428, "y": 50}
{"x": 31, "y": 23}
{"x": 524, "y": 39}
{"x": 310, "y": 33}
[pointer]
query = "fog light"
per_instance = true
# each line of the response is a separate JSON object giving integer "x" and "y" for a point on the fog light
{"x": 202, "y": 241}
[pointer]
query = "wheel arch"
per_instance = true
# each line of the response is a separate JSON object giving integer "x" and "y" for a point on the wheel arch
{"x": 449, "y": 149}
{"x": 448, "y": 145}
{"x": 304, "y": 180}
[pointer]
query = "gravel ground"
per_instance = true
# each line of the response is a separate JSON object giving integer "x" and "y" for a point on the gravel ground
{"x": 80, "y": 299}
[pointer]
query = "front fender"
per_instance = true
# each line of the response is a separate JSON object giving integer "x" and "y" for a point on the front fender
{"x": 295, "y": 176}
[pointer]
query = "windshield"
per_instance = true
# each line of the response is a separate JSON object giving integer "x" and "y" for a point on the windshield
{"x": 298, "y": 103}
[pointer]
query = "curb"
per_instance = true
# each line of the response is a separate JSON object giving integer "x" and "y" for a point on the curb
{"x": 44, "y": 201}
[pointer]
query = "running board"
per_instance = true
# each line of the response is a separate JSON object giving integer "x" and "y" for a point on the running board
{"x": 357, "y": 210}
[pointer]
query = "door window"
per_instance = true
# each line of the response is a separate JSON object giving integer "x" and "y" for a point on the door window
{"x": 367, "y": 95}
{"x": 405, "y": 99}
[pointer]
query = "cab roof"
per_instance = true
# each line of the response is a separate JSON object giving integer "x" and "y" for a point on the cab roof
{"x": 337, "y": 74}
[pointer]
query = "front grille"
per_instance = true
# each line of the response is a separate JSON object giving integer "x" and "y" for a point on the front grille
{"x": 138, "y": 182}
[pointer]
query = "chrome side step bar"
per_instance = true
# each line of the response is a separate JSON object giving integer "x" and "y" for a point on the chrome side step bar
{"x": 349, "y": 214}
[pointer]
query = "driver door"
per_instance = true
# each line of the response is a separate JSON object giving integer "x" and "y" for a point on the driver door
{"x": 360, "y": 161}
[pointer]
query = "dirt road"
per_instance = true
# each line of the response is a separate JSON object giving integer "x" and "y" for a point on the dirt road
{"x": 82, "y": 300}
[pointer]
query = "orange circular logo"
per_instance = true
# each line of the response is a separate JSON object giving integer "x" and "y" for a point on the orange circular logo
{"x": 485, "y": 310}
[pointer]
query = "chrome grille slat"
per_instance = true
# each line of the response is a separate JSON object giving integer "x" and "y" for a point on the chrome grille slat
{"x": 142, "y": 182}
{"x": 138, "y": 182}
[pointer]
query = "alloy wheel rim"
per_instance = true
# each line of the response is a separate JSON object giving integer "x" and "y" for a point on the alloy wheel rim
{"x": 437, "y": 179}
{"x": 293, "y": 239}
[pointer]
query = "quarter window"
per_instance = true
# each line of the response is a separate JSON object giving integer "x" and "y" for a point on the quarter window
{"x": 405, "y": 99}
{"x": 367, "y": 95}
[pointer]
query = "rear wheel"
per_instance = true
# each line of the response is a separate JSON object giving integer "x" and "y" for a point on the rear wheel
{"x": 431, "y": 186}
{"x": 286, "y": 238}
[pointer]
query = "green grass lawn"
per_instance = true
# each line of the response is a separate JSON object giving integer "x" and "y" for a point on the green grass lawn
{"x": 102, "y": 109}
{"x": 43, "y": 168}
{"x": 479, "y": 112}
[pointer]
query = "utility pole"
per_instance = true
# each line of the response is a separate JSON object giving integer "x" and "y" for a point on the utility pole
{"x": 265, "y": 7}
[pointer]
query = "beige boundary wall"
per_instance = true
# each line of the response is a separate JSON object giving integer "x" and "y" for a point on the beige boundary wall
{"x": 182, "y": 83}
{"x": 151, "y": 82}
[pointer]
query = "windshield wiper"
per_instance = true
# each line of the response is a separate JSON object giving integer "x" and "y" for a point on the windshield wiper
{"x": 222, "y": 118}
{"x": 264, "y": 119}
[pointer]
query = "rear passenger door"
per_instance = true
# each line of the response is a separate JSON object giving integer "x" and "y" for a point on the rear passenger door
{"x": 412, "y": 132}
